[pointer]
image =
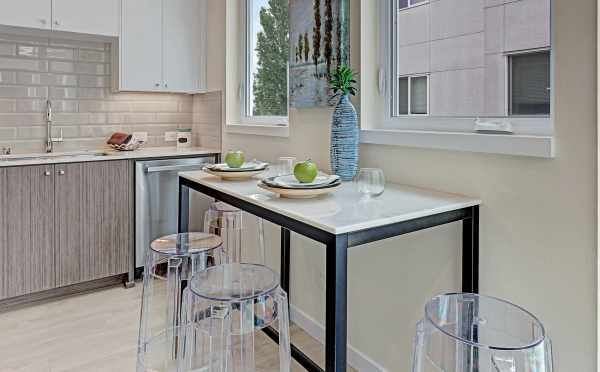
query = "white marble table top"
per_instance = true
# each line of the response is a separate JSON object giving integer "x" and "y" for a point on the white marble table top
{"x": 344, "y": 210}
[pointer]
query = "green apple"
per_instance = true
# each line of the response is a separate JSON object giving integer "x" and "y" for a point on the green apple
{"x": 235, "y": 159}
{"x": 306, "y": 171}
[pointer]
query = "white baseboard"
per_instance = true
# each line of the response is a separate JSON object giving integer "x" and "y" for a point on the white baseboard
{"x": 356, "y": 359}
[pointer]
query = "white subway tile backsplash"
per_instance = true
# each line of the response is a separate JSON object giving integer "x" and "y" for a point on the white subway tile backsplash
{"x": 8, "y": 105}
{"x": 29, "y": 51}
{"x": 94, "y": 81}
{"x": 61, "y": 93}
{"x": 92, "y": 68}
{"x": 15, "y": 91}
{"x": 56, "y": 66}
{"x": 92, "y": 93}
{"x": 7, "y": 63}
{"x": 76, "y": 77}
{"x": 34, "y": 78}
{"x": 8, "y": 49}
{"x": 8, "y": 77}
{"x": 92, "y": 55}
{"x": 60, "y": 53}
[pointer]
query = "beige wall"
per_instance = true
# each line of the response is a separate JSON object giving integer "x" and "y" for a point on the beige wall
{"x": 538, "y": 220}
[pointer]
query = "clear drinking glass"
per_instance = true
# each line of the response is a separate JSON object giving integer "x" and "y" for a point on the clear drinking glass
{"x": 286, "y": 165}
{"x": 465, "y": 332}
{"x": 370, "y": 181}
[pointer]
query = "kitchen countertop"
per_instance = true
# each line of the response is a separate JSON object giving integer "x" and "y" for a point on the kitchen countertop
{"x": 105, "y": 154}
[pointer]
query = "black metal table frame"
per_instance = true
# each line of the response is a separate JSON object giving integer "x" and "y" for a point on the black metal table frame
{"x": 336, "y": 260}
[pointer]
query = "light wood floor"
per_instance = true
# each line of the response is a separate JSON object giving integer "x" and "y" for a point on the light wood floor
{"x": 98, "y": 332}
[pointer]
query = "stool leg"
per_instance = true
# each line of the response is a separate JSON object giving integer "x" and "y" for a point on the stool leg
{"x": 247, "y": 319}
{"x": 173, "y": 303}
{"x": 285, "y": 358}
{"x": 220, "y": 339}
{"x": 146, "y": 302}
{"x": 261, "y": 242}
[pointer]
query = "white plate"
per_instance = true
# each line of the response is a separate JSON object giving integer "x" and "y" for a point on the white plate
{"x": 299, "y": 193}
{"x": 291, "y": 181}
{"x": 246, "y": 167}
{"x": 234, "y": 176}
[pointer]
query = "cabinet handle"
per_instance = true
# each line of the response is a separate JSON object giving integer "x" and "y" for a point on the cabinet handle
{"x": 61, "y": 172}
{"x": 47, "y": 173}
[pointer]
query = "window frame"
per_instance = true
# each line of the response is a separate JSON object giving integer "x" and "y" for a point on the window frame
{"x": 509, "y": 82}
{"x": 412, "y": 4}
{"x": 245, "y": 70}
{"x": 537, "y": 125}
{"x": 410, "y": 78}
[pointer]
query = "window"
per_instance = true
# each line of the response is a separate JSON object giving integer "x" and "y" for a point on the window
{"x": 413, "y": 98}
{"x": 479, "y": 62}
{"x": 530, "y": 84}
{"x": 266, "y": 50}
{"x": 408, "y": 3}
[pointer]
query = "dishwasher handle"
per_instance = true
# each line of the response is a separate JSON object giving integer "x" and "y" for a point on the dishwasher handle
{"x": 179, "y": 168}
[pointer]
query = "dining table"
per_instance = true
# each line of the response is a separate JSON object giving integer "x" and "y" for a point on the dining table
{"x": 340, "y": 221}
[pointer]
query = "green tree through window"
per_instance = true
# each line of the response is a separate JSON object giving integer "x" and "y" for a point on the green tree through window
{"x": 270, "y": 88}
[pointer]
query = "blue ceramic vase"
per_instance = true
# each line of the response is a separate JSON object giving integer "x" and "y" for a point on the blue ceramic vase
{"x": 344, "y": 140}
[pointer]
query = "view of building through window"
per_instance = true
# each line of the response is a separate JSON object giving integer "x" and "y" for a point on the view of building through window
{"x": 267, "y": 58}
{"x": 489, "y": 59}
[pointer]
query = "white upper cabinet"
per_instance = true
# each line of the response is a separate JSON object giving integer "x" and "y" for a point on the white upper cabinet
{"x": 26, "y": 13}
{"x": 141, "y": 46}
{"x": 174, "y": 36}
{"x": 98, "y": 17}
{"x": 183, "y": 45}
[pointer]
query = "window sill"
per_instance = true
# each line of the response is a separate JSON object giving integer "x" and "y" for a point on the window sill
{"x": 506, "y": 144}
{"x": 259, "y": 129}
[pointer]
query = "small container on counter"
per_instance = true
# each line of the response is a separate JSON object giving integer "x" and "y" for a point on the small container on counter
{"x": 184, "y": 138}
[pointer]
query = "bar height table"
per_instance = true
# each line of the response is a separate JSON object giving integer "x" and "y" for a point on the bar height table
{"x": 343, "y": 220}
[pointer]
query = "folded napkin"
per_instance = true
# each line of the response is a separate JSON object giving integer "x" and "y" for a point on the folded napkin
{"x": 119, "y": 138}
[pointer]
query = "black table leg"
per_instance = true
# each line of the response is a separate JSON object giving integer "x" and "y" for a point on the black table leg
{"x": 285, "y": 260}
{"x": 183, "y": 219}
{"x": 336, "y": 293}
{"x": 470, "y": 254}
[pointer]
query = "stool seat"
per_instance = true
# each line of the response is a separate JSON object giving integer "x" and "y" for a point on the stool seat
{"x": 185, "y": 244}
{"x": 225, "y": 305}
{"x": 171, "y": 262}
{"x": 234, "y": 282}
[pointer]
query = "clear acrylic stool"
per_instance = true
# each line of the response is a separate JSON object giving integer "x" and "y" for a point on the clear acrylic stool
{"x": 225, "y": 306}
{"x": 171, "y": 262}
{"x": 467, "y": 332}
{"x": 227, "y": 221}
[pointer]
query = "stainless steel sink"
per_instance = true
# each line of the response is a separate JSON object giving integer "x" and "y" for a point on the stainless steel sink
{"x": 51, "y": 156}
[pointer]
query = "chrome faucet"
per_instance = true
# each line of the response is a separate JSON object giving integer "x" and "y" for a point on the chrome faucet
{"x": 49, "y": 139}
{"x": 6, "y": 151}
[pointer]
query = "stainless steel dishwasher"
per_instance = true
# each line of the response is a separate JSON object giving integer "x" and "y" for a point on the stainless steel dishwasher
{"x": 156, "y": 199}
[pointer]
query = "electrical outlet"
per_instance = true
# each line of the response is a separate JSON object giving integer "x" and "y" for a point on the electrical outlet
{"x": 170, "y": 136}
{"x": 140, "y": 136}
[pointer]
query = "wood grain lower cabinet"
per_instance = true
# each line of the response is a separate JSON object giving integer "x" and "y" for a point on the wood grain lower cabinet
{"x": 94, "y": 220}
{"x": 27, "y": 246}
{"x": 64, "y": 224}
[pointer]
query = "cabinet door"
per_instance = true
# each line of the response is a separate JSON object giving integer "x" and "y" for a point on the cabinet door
{"x": 87, "y": 16}
{"x": 28, "y": 243}
{"x": 141, "y": 46}
{"x": 107, "y": 218}
{"x": 26, "y": 13}
{"x": 184, "y": 41}
{"x": 71, "y": 252}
